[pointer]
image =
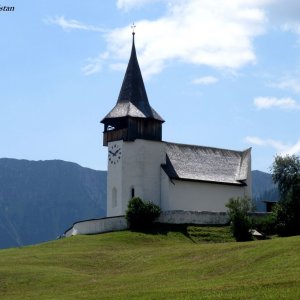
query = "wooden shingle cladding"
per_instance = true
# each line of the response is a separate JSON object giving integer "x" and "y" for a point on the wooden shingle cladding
{"x": 208, "y": 164}
{"x": 129, "y": 129}
{"x": 128, "y": 109}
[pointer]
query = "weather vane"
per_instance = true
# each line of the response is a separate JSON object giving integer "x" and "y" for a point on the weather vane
{"x": 132, "y": 27}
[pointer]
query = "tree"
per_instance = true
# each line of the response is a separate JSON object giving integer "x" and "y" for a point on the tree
{"x": 286, "y": 173}
{"x": 240, "y": 222}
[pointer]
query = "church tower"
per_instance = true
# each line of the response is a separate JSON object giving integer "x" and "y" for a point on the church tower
{"x": 133, "y": 134}
{"x": 132, "y": 117}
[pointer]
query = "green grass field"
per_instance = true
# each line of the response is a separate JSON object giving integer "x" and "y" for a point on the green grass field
{"x": 183, "y": 263}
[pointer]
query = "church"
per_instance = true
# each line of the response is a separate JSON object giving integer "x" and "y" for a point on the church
{"x": 176, "y": 177}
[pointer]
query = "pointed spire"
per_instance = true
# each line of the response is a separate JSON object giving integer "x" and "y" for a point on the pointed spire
{"x": 133, "y": 100}
{"x": 133, "y": 88}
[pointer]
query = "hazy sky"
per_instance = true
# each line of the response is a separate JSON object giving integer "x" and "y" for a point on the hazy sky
{"x": 221, "y": 73}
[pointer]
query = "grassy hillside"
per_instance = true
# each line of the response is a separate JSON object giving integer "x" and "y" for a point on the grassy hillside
{"x": 170, "y": 265}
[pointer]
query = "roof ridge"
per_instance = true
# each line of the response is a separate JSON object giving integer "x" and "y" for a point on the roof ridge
{"x": 209, "y": 147}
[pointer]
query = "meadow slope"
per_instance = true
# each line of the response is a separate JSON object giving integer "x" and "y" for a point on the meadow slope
{"x": 132, "y": 265}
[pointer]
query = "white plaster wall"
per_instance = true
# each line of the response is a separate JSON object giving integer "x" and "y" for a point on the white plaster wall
{"x": 197, "y": 196}
{"x": 139, "y": 168}
{"x": 114, "y": 179}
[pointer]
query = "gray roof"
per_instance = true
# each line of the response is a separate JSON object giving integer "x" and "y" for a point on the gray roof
{"x": 133, "y": 100}
{"x": 198, "y": 163}
{"x": 128, "y": 109}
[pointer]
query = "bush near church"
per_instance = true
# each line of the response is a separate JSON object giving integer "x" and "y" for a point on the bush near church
{"x": 140, "y": 214}
{"x": 240, "y": 221}
{"x": 266, "y": 224}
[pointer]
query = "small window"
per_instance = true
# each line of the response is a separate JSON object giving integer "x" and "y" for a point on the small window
{"x": 132, "y": 192}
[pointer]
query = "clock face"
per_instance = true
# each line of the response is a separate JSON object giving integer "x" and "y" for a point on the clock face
{"x": 114, "y": 154}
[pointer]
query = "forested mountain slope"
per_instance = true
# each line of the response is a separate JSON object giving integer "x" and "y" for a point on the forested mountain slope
{"x": 41, "y": 199}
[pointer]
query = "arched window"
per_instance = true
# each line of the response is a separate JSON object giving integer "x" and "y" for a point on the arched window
{"x": 114, "y": 197}
{"x": 131, "y": 192}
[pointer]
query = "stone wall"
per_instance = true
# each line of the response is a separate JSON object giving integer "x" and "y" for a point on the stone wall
{"x": 97, "y": 226}
{"x": 193, "y": 217}
{"x": 118, "y": 223}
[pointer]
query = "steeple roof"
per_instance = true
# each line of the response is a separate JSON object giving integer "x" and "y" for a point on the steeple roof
{"x": 133, "y": 100}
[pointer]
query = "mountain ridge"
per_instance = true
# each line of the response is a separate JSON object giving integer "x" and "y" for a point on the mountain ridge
{"x": 40, "y": 199}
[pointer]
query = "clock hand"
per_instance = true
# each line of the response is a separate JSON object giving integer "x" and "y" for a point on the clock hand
{"x": 114, "y": 154}
{"x": 117, "y": 151}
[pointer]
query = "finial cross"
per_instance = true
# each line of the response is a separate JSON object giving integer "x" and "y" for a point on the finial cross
{"x": 132, "y": 27}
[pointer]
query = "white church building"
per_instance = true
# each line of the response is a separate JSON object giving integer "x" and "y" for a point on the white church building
{"x": 177, "y": 177}
{"x": 190, "y": 183}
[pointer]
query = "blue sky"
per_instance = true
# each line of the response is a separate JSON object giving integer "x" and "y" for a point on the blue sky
{"x": 221, "y": 73}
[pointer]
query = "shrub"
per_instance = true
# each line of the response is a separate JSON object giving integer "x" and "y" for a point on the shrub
{"x": 240, "y": 222}
{"x": 265, "y": 225}
{"x": 140, "y": 214}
